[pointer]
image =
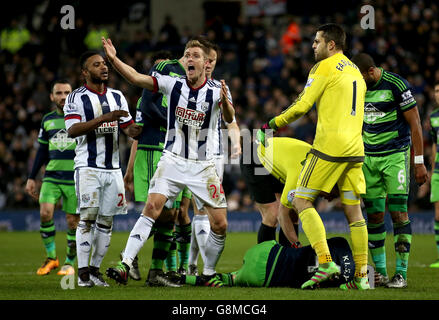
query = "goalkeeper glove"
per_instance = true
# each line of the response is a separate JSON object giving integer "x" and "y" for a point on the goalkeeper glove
{"x": 260, "y": 135}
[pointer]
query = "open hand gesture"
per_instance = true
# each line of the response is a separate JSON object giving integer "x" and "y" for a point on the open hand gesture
{"x": 110, "y": 50}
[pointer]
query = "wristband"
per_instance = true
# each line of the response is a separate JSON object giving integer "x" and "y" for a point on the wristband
{"x": 419, "y": 159}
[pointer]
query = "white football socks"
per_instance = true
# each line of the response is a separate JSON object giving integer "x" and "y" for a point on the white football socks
{"x": 200, "y": 232}
{"x": 84, "y": 237}
{"x": 101, "y": 242}
{"x": 214, "y": 247}
{"x": 139, "y": 234}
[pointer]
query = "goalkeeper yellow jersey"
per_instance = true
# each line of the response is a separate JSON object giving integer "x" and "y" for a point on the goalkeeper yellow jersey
{"x": 336, "y": 86}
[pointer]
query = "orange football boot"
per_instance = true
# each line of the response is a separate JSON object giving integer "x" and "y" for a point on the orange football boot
{"x": 47, "y": 266}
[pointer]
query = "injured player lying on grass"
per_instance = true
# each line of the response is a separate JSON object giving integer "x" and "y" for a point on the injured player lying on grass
{"x": 268, "y": 264}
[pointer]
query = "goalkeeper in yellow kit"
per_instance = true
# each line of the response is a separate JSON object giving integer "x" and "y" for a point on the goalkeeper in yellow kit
{"x": 336, "y": 87}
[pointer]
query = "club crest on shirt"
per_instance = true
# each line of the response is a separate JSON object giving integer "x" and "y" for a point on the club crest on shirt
{"x": 189, "y": 117}
{"x": 61, "y": 140}
{"x": 371, "y": 113}
{"x": 204, "y": 106}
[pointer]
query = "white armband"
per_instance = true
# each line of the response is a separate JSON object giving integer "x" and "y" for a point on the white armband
{"x": 419, "y": 159}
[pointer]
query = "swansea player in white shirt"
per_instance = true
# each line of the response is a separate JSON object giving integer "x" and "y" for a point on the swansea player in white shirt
{"x": 93, "y": 115}
{"x": 194, "y": 107}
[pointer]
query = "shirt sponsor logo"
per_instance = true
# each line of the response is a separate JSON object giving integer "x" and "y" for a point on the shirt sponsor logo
{"x": 189, "y": 117}
{"x": 371, "y": 113}
{"x": 107, "y": 128}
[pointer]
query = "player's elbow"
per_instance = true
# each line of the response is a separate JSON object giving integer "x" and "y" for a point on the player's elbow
{"x": 72, "y": 132}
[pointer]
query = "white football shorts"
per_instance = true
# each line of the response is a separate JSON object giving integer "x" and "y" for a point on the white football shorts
{"x": 219, "y": 166}
{"x": 173, "y": 173}
{"x": 103, "y": 189}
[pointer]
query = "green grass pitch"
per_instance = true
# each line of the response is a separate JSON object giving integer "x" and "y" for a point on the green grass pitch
{"x": 21, "y": 253}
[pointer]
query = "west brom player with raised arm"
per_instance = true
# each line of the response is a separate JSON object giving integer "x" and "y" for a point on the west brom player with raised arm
{"x": 93, "y": 114}
{"x": 56, "y": 150}
{"x": 200, "y": 221}
{"x": 193, "y": 111}
{"x": 145, "y": 154}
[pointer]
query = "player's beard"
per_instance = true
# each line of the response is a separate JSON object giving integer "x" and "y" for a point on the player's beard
{"x": 60, "y": 105}
{"x": 321, "y": 54}
{"x": 60, "y": 108}
{"x": 98, "y": 80}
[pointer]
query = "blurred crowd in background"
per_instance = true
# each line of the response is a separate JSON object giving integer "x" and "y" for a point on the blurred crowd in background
{"x": 264, "y": 60}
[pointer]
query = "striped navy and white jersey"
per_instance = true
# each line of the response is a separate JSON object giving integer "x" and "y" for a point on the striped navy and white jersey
{"x": 100, "y": 147}
{"x": 194, "y": 115}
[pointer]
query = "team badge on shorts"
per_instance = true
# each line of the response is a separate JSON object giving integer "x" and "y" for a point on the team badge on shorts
{"x": 85, "y": 197}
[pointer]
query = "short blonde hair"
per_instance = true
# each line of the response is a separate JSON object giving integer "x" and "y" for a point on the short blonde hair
{"x": 197, "y": 44}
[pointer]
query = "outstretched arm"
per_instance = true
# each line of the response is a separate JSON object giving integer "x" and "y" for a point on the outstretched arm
{"x": 129, "y": 73}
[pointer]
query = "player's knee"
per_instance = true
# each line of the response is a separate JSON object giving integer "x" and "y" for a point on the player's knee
{"x": 219, "y": 226}
{"x": 399, "y": 217}
{"x": 46, "y": 214}
{"x": 85, "y": 226}
{"x": 375, "y": 218}
{"x": 152, "y": 209}
{"x": 300, "y": 204}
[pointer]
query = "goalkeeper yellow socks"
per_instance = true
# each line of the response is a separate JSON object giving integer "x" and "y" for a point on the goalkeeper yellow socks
{"x": 359, "y": 247}
{"x": 314, "y": 229}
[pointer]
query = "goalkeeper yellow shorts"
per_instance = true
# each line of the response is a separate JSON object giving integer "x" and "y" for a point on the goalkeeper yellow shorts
{"x": 321, "y": 175}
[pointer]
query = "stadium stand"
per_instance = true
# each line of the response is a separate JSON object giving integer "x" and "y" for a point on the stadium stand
{"x": 264, "y": 60}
